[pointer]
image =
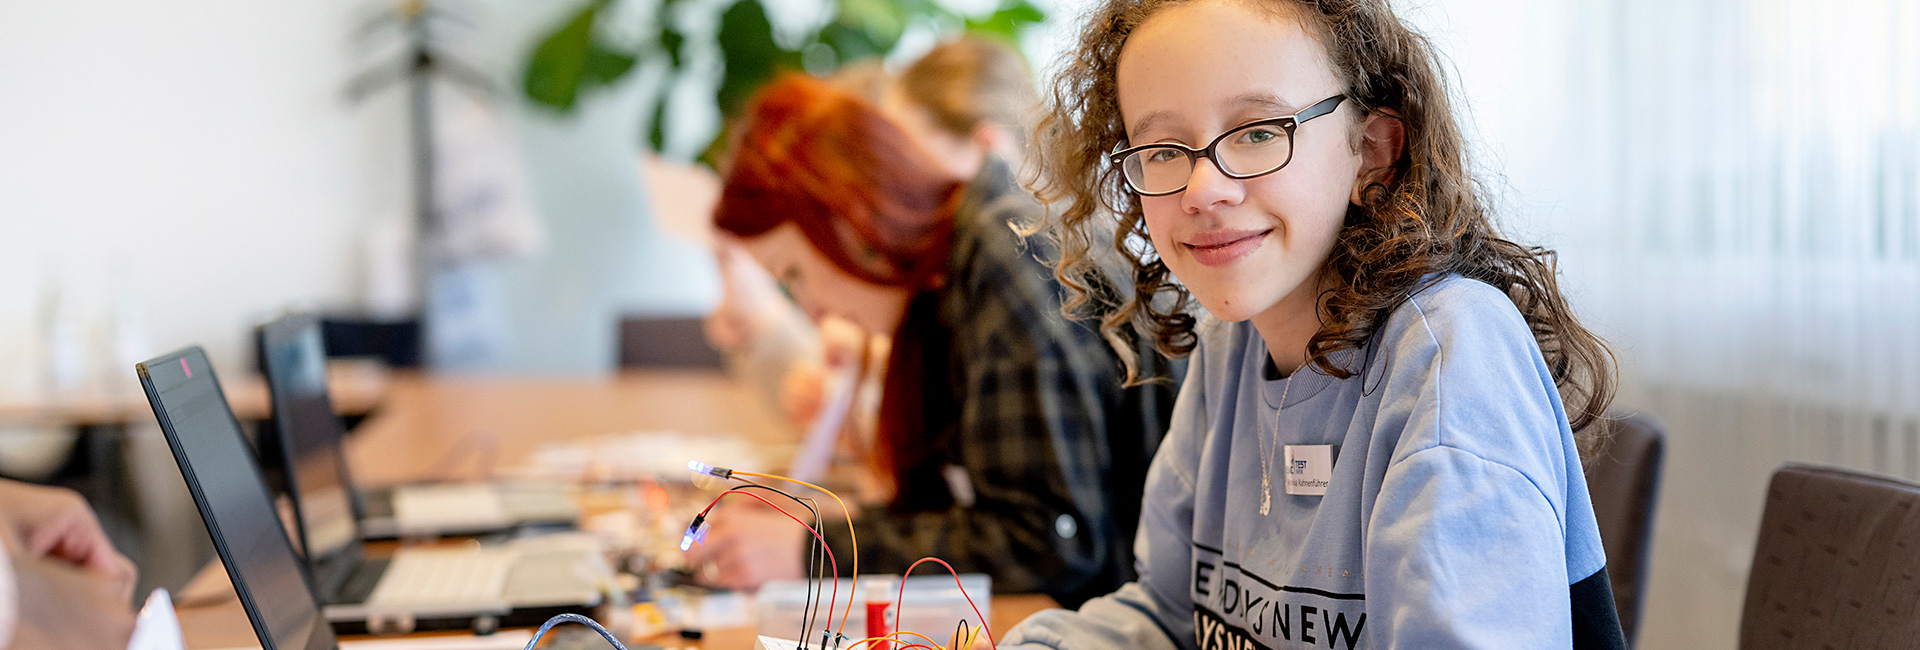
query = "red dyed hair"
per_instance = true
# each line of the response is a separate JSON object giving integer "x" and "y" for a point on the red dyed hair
{"x": 871, "y": 201}
{"x": 864, "y": 194}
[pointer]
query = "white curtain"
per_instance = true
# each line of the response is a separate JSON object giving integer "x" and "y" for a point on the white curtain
{"x": 1735, "y": 188}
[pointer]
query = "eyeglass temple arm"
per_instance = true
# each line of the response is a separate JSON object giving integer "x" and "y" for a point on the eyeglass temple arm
{"x": 1324, "y": 107}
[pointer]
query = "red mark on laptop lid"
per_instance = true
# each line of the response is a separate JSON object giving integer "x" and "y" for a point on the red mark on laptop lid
{"x": 185, "y": 368}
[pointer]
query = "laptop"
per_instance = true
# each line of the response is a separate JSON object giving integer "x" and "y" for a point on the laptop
{"x": 468, "y": 586}
{"x": 308, "y": 433}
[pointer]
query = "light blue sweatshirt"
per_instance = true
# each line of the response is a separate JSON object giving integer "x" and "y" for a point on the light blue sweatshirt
{"x": 1456, "y": 514}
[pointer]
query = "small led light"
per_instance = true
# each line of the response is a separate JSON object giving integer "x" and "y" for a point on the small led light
{"x": 708, "y": 477}
{"x": 702, "y": 468}
{"x": 695, "y": 533}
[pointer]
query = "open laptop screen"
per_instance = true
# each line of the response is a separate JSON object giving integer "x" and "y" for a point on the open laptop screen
{"x": 310, "y": 434}
{"x": 226, "y": 484}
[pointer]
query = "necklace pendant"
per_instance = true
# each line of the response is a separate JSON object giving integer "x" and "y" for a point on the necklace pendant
{"x": 1266, "y": 496}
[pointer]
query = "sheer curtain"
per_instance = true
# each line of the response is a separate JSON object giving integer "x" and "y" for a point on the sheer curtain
{"x": 1735, "y": 189}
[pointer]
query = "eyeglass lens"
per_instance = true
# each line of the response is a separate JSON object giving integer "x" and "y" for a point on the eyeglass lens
{"x": 1248, "y": 151}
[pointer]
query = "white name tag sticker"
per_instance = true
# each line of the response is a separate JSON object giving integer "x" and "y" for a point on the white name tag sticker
{"x": 1309, "y": 468}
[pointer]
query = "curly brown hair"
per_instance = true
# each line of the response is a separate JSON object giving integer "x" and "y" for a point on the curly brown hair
{"x": 1431, "y": 219}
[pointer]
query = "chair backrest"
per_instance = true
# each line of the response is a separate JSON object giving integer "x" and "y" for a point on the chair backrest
{"x": 1837, "y": 564}
{"x": 654, "y": 342}
{"x": 1623, "y": 475}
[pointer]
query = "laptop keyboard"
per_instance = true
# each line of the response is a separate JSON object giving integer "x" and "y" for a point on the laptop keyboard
{"x": 457, "y": 507}
{"x": 359, "y": 584}
{"x": 434, "y": 576}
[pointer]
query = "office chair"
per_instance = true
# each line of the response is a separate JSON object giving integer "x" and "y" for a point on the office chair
{"x": 1837, "y": 564}
{"x": 658, "y": 342}
{"x": 1623, "y": 476}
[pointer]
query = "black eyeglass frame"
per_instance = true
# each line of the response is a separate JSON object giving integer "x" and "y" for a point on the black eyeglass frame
{"x": 1288, "y": 123}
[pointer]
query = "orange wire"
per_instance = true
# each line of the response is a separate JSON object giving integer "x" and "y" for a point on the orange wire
{"x": 832, "y": 596}
{"x": 851, "y": 535}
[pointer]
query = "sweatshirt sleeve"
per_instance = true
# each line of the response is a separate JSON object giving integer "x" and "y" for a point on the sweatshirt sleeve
{"x": 1467, "y": 543}
{"x": 1156, "y": 611}
{"x": 1465, "y": 553}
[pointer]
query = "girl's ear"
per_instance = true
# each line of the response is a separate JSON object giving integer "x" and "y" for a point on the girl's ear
{"x": 1382, "y": 141}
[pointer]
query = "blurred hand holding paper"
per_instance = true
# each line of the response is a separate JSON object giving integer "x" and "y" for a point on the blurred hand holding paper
{"x": 157, "y": 627}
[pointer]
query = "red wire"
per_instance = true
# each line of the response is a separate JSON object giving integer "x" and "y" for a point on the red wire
{"x": 833, "y": 595}
{"x": 899, "y": 600}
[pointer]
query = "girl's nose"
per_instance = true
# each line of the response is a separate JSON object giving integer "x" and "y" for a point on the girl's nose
{"x": 1210, "y": 189}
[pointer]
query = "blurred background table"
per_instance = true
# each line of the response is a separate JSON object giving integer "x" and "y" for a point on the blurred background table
{"x": 441, "y": 427}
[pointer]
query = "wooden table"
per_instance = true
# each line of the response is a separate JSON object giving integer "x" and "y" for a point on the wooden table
{"x": 423, "y": 418}
{"x": 356, "y": 386}
{"x": 428, "y": 417}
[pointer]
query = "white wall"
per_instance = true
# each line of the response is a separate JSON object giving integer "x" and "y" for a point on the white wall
{"x": 204, "y": 147}
{"x": 175, "y": 142}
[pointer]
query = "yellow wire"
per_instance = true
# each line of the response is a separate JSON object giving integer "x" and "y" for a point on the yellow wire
{"x": 890, "y": 637}
{"x": 844, "y": 613}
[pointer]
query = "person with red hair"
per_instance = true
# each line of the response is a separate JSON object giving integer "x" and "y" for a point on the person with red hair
{"x": 1013, "y": 445}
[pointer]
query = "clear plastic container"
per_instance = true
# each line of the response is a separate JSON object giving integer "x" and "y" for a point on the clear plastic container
{"x": 933, "y": 605}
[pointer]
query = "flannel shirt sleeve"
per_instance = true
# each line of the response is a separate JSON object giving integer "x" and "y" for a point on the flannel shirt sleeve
{"x": 1027, "y": 442}
{"x": 1031, "y": 437}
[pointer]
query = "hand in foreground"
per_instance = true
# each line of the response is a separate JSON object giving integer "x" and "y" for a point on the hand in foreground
{"x": 64, "y": 607}
{"x": 38, "y": 522}
{"x": 750, "y": 544}
{"x": 803, "y": 393}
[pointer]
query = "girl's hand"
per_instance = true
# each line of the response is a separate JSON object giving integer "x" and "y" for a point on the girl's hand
{"x": 803, "y": 394}
{"x": 40, "y": 522}
{"x": 749, "y": 545}
{"x": 63, "y": 606}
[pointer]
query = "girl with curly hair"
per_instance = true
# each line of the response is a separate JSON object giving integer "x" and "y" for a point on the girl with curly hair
{"x": 1377, "y": 443}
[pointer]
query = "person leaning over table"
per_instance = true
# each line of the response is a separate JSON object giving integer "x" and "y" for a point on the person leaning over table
{"x": 62, "y": 584}
{"x": 965, "y": 101}
{"x": 1013, "y": 445}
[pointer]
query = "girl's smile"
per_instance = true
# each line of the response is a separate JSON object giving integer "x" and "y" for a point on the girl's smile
{"x": 1225, "y": 246}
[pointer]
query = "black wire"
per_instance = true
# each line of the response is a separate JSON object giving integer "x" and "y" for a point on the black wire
{"x": 810, "y": 602}
{"x": 808, "y": 606}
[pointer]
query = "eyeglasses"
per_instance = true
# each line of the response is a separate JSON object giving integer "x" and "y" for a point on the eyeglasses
{"x": 1252, "y": 150}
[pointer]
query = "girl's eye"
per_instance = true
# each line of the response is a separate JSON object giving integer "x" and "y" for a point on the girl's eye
{"x": 1162, "y": 155}
{"x": 786, "y": 282}
{"x": 1260, "y": 135}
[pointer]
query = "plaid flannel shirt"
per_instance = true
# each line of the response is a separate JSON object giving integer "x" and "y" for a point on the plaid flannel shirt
{"x": 1039, "y": 454}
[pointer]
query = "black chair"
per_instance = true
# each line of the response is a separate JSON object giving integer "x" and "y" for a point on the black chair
{"x": 1837, "y": 564}
{"x": 1623, "y": 475}
{"x": 656, "y": 342}
{"x": 398, "y": 343}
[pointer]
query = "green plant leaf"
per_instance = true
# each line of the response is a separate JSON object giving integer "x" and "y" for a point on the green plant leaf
{"x": 850, "y": 44}
{"x": 883, "y": 21}
{"x": 751, "y": 55}
{"x": 571, "y": 60}
{"x": 657, "y": 130}
{"x": 605, "y": 66}
{"x": 674, "y": 43}
{"x": 1006, "y": 23}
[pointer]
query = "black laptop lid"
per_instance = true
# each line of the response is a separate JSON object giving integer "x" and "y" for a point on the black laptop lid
{"x": 310, "y": 436}
{"x": 226, "y": 485}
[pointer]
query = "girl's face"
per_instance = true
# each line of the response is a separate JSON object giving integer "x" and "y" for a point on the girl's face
{"x": 1195, "y": 71}
{"x": 820, "y": 287}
